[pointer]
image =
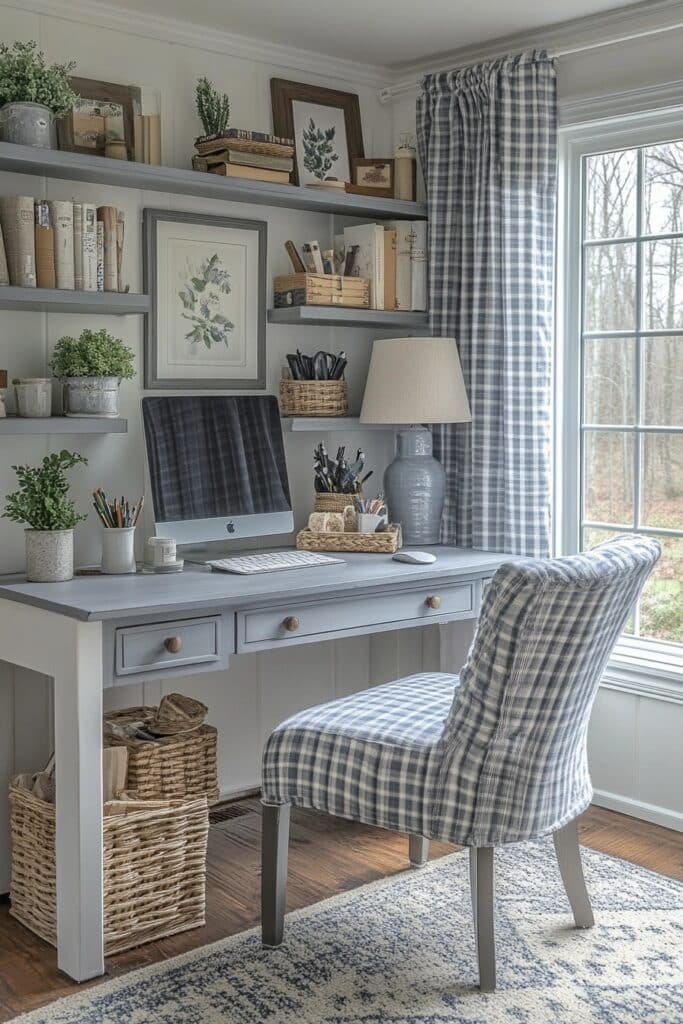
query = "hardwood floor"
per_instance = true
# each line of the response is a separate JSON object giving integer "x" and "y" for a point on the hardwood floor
{"x": 327, "y": 856}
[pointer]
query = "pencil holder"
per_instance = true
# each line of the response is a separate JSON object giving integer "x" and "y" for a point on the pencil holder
{"x": 118, "y": 550}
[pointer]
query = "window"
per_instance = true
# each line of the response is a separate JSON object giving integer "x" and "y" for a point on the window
{"x": 622, "y": 365}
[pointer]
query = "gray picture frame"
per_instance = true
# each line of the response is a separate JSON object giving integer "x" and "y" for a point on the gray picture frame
{"x": 152, "y": 382}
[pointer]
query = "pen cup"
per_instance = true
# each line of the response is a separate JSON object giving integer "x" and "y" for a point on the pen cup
{"x": 118, "y": 550}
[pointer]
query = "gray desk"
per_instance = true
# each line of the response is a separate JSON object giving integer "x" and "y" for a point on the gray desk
{"x": 102, "y": 631}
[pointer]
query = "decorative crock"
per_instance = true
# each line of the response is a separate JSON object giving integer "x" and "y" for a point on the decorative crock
{"x": 28, "y": 124}
{"x": 91, "y": 396}
{"x": 49, "y": 555}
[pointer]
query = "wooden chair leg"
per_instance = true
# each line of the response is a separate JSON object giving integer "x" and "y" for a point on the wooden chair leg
{"x": 418, "y": 850}
{"x": 482, "y": 890}
{"x": 569, "y": 859}
{"x": 274, "y": 851}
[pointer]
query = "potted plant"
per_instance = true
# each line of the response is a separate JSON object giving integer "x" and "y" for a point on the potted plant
{"x": 32, "y": 95}
{"x": 43, "y": 504}
{"x": 213, "y": 108}
{"x": 91, "y": 368}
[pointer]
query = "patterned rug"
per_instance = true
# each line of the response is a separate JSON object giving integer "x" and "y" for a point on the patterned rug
{"x": 400, "y": 951}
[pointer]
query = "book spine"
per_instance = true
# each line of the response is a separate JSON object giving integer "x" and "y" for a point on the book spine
{"x": 62, "y": 213}
{"x": 403, "y": 265}
{"x": 378, "y": 289}
{"x": 17, "y": 219}
{"x": 295, "y": 259}
{"x": 138, "y": 152}
{"x": 154, "y": 121}
{"x": 271, "y": 163}
{"x": 78, "y": 247}
{"x": 45, "y": 246}
{"x": 317, "y": 258}
{"x": 100, "y": 256}
{"x": 4, "y": 269}
{"x": 390, "y": 268}
{"x": 418, "y": 265}
{"x": 120, "y": 235}
{"x": 107, "y": 215}
{"x": 89, "y": 247}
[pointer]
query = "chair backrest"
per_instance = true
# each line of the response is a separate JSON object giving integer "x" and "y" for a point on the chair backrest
{"x": 514, "y": 764}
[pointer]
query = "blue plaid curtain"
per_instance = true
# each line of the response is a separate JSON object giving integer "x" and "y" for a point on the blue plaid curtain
{"x": 487, "y": 138}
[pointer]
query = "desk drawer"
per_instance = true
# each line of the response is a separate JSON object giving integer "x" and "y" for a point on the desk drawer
{"x": 163, "y": 645}
{"x": 346, "y": 614}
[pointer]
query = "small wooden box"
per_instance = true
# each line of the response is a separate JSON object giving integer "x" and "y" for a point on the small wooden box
{"x": 321, "y": 290}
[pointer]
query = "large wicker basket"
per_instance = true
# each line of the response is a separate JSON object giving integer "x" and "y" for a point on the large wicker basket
{"x": 154, "y": 867}
{"x": 313, "y": 398}
{"x": 175, "y": 767}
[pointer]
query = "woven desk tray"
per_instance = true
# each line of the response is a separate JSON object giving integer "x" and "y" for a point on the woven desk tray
{"x": 384, "y": 543}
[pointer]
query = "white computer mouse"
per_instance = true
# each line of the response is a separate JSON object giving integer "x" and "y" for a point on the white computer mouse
{"x": 414, "y": 557}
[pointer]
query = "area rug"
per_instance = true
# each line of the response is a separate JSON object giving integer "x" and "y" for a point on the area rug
{"x": 400, "y": 951}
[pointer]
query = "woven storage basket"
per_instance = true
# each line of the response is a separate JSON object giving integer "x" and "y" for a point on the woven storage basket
{"x": 328, "y": 501}
{"x": 174, "y": 767}
{"x": 386, "y": 542}
{"x": 314, "y": 398}
{"x": 154, "y": 867}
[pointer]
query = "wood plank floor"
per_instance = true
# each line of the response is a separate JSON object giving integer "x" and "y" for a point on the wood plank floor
{"x": 327, "y": 856}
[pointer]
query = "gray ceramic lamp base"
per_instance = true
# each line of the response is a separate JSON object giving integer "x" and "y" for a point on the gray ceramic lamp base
{"x": 414, "y": 485}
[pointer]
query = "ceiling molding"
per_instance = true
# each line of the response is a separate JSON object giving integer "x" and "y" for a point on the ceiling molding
{"x": 615, "y": 104}
{"x": 641, "y": 19}
{"x": 170, "y": 30}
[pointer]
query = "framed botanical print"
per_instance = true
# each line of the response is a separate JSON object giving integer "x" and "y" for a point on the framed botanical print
{"x": 206, "y": 278}
{"x": 373, "y": 177}
{"x": 325, "y": 125}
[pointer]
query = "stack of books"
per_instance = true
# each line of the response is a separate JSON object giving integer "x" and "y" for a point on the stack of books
{"x": 238, "y": 153}
{"x": 393, "y": 256}
{"x": 60, "y": 244}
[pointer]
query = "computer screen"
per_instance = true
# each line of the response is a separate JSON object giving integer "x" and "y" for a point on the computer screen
{"x": 217, "y": 467}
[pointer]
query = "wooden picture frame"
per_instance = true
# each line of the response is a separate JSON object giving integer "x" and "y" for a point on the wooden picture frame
{"x": 285, "y": 94}
{"x": 123, "y": 96}
{"x": 204, "y": 275}
{"x": 360, "y": 178}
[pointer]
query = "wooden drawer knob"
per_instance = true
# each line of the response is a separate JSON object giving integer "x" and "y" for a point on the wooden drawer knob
{"x": 291, "y": 623}
{"x": 433, "y": 601}
{"x": 173, "y": 644}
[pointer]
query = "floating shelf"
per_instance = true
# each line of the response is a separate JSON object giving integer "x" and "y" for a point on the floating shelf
{"x": 58, "y": 300}
{"x": 345, "y": 316}
{"x": 100, "y": 170}
{"x": 62, "y": 425}
{"x": 318, "y": 424}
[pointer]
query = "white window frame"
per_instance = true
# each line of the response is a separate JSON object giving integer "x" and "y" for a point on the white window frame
{"x": 649, "y": 667}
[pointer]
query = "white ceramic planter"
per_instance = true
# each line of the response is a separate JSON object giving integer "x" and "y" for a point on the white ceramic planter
{"x": 49, "y": 555}
{"x": 34, "y": 397}
{"x": 118, "y": 550}
{"x": 28, "y": 124}
{"x": 91, "y": 396}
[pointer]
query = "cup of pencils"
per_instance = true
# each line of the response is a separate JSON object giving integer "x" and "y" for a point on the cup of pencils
{"x": 119, "y": 519}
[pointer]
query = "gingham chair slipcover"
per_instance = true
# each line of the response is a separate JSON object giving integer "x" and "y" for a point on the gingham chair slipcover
{"x": 493, "y": 756}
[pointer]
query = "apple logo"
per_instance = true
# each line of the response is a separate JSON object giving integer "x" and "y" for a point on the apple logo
{"x": 230, "y": 527}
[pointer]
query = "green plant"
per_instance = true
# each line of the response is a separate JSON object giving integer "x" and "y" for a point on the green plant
{"x": 42, "y": 501}
{"x": 213, "y": 107}
{"x": 92, "y": 354}
{"x": 319, "y": 152}
{"x": 25, "y": 78}
{"x": 201, "y": 299}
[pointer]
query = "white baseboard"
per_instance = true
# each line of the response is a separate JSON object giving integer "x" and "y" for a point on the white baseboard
{"x": 639, "y": 809}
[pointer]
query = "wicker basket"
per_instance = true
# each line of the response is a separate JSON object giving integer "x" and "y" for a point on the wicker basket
{"x": 154, "y": 867}
{"x": 314, "y": 398}
{"x": 384, "y": 543}
{"x": 328, "y": 501}
{"x": 321, "y": 290}
{"x": 174, "y": 767}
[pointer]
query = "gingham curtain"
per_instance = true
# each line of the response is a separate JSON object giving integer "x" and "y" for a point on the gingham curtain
{"x": 487, "y": 138}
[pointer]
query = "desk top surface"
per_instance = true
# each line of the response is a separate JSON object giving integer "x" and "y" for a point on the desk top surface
{"x": 197, "y": 588}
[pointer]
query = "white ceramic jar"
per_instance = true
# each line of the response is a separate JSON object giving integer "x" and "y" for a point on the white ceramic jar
{"x": 49, "y": 555}
{"x": 118, "y": 550}
{"x": 33, "y": 396}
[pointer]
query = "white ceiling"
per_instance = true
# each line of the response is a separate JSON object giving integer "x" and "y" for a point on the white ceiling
{"x": 378, "y": 32}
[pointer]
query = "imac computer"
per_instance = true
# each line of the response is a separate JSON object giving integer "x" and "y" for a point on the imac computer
{"x": 217, "y": 467}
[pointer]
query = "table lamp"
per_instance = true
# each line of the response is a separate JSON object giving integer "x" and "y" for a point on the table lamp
{"x": 415, "y": 381}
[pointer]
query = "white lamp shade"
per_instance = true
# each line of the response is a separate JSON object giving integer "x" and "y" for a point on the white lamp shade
{"x": 415, "y": 380}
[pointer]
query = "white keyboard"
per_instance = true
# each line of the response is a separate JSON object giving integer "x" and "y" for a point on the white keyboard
{"x": 247, "y": 565}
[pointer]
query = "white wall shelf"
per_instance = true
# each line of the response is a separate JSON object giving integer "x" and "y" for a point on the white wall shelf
{"x": 62, "y": 425}
{"x": 345, "y": 316}
{"x": 100, "y": 170}
{"x": 57, "y": 300}
{"x": 320, "y": 424}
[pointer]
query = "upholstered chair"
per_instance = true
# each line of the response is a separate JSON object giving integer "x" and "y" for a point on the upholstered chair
{"x": 495, "y": 755}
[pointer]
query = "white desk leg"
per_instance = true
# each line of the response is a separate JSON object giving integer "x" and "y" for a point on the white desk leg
{"x": 78, "y": 759}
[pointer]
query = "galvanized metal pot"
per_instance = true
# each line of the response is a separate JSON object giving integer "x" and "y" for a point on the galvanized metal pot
{"x": 91, "y": 396}
{"x": 49, "y": 555}
{"x": 28, "y": 124}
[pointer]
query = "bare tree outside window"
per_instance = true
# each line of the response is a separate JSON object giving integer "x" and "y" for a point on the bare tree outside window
{"x": 632, "y": 366}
